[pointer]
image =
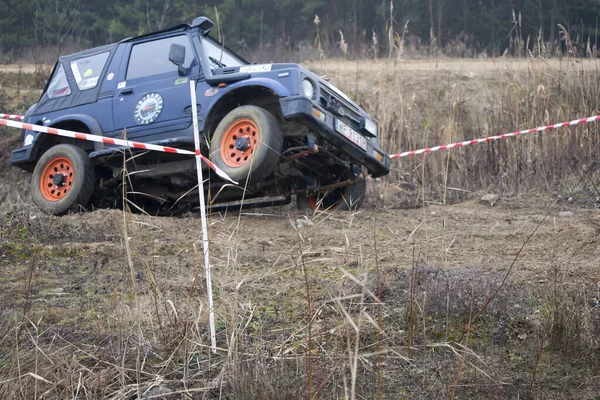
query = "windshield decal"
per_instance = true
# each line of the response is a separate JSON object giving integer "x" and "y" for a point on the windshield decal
{"x": 256, "y": 68}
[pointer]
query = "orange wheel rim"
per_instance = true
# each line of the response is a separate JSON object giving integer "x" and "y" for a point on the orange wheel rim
{"x": 239, "y": 142}
{"x": 57, "y": 179}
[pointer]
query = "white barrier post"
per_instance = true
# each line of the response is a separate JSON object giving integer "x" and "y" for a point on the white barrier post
{"x": 211, "y": 315}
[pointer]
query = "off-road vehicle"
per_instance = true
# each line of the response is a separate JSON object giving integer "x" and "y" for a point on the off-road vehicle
{"x": 278, "y": 129}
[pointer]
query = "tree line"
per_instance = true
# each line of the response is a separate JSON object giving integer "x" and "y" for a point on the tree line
{"x": 308, "y": 28}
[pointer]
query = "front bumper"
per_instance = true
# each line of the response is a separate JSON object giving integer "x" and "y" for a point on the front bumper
{"x": 299, "y": 108}
{"x": 23, "y": 157}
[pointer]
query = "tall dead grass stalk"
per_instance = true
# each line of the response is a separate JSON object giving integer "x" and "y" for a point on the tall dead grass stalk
{"x": 309, "y": 315}
{"x": 379, "y": 316}
{"x": 464, "y": 352}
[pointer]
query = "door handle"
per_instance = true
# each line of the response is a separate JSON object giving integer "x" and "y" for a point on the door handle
{"x": 188, "y": 109}
{"x": 127, "y": 90}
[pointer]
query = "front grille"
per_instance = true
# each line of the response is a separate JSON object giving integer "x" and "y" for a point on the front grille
{"x": 343, "y": 110}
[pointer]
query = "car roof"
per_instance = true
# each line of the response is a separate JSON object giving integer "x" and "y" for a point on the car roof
{"x": 87, "y": 52}
{"x": 177, "y": 28}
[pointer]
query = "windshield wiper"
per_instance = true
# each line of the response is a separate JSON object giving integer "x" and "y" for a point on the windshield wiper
{"x": 217, "y": 62}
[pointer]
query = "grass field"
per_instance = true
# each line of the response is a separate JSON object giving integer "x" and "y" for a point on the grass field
{"x": 428, "y": 292}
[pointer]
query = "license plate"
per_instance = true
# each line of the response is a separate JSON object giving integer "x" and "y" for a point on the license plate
{"x": 351, "y": 134}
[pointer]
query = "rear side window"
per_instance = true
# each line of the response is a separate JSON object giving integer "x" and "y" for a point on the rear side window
{"x": 59, "y": 86}
{"x": 87, "y": 70}
{"x": 152, "y": 58}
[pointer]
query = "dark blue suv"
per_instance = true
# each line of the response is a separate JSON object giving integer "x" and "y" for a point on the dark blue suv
{"x": 278, "y": 129}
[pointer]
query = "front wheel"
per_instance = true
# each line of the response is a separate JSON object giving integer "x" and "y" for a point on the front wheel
{"x": 347, "y": 198}
{"x": 247, "y": 144}
{"x": 63, "y": 179}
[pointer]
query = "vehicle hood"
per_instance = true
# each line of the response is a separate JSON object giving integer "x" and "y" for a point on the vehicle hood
{"x": 297, "y": 73}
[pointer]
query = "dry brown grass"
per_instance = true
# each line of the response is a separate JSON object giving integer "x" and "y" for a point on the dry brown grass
{"x": 86, "y": 334}
{"x": 426, "y": 103}
{"x": 94, "y": 318}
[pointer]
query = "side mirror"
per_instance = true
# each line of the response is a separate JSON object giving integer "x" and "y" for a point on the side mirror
{"x": 177, "y": 57}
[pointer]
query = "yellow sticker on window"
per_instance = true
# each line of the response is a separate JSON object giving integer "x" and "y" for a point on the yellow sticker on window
{"x": 89, "y": 72}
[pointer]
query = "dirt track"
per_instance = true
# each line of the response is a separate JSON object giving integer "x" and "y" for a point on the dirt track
{"x": 459, "y": 251}
{"x": 465, "y": 236}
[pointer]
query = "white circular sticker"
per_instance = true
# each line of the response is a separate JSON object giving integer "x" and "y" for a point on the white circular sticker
{"x": 110, "y": 77}
{"x": 148, "y": 108}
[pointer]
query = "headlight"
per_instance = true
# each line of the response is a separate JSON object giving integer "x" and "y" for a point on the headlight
{"x": 368, "y": 127}
{"x": 308, "y": 88}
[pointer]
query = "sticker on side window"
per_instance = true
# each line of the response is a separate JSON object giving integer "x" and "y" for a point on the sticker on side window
{"x": 86, "y": 70}
{"x": 76, "y": 72}
{"x": 88, "y": 83}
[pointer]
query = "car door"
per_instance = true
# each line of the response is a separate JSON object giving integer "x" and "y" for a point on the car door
{"x": 152, "y": 98}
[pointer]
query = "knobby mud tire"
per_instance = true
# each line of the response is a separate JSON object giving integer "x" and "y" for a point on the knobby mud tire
{"x": 76, "y": 175}
{"x": 256, "y": 162}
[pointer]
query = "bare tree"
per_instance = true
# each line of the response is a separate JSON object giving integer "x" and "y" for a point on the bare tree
{"x": 59, "y": 18}
{"x": 160, "y": 21}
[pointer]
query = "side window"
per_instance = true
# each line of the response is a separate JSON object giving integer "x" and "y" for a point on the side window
{"x": 152, "y": 58}
{"x": 59, "y": 86}
{"x": 87, "y": 70}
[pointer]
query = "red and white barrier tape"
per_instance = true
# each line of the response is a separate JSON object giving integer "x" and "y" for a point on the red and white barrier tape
{"x": 12, "y": 116}
{"x": 222, "y": 174}
{"x": 491, "y": 138}
{"x": 117, "y": 142}
{"x": 217, "y": 170}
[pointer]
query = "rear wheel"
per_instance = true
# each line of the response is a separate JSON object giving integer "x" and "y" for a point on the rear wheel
{"x": 347, "y": 198}
{"x": 247, "y": 144}
{"x": 63, "y": 179}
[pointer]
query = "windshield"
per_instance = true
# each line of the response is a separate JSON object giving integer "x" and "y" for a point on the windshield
{"x": 220, "y": 56}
